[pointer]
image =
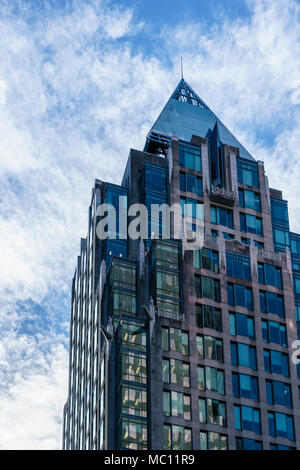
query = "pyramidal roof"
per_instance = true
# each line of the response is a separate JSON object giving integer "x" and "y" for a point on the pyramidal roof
{"x": 185, "y": 115}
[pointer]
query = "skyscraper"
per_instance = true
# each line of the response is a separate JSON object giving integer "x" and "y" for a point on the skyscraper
{"x": 177, "y": 348}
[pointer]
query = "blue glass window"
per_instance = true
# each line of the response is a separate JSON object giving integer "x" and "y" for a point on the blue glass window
{"x": 250, "y": 223}
{"x": 271, "y": 303}
{"x": 280, "y": 447}
{"x": 279, "y": 212}
{"x": 206, "y": 259}
{"x": 281, "y": 425}
{"x": 240, "y": 295}
{"x": 259, "y": 245}
{"x": 221, "y": 216}
{"x": 269, "y": 274}
{"x": 191, "y": 208}
{"x": 228, "y": 236}
{"x": 295, "y": 244}
{"x": 243, "y": 355}
{"x": 155, "y": 178}
{"x": 278, "y": 393}
{"x": 295, "y": 264}
{"x": 190, "y": 157}
{"x": 274, "y": 332}
{"x": 276, "y": 362}
{"x": 241, "y": 324}
{"x": 238, "y": 265}
{"x": 281, "y": 238}
{"x": 243, "y": 443}
{"x": 247, "y": 418}
{"x": 247, "y": 173}
{"x": 249, "y": 199}
{"x": 245, "y": 386}
{"x": 191, "y": 183}
{"x": 297, "y": 286}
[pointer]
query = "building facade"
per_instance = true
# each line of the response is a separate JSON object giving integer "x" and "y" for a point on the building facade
{"x": 173, "y": 348}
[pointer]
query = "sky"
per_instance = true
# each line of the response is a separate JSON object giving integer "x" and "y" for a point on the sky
{"x": 82, "y": 82}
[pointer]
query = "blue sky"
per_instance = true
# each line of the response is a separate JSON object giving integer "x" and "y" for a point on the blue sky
{"x": 81, "y": 82}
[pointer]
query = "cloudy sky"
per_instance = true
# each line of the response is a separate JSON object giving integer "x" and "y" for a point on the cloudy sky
{"x": 81, "y": 82}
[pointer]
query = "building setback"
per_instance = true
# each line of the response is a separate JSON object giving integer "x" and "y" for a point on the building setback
{"x": 173, "y": 348}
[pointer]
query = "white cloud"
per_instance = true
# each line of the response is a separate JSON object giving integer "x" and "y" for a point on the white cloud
{"x": 78, "y": 96}
{"x": 31, "y": 409}
{"x": 248, "y": 73}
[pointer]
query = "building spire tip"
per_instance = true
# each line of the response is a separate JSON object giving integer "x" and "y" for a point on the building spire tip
{"x": 181, "y": 68}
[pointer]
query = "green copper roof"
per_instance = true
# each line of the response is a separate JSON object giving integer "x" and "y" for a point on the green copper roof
{"x": 186, "y": 114}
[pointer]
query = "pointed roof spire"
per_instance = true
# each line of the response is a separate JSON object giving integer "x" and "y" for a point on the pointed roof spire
{"x": 185, "y": 115}
{"x": 181, "y": 68}
{"x": 183, "y": 92}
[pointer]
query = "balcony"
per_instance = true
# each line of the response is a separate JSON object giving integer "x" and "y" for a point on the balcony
{"x": 221, "y": 195}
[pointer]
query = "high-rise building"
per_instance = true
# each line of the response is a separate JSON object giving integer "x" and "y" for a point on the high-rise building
{"x": 178, "y": 348}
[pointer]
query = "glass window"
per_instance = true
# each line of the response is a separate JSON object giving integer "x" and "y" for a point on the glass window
{"x": 271, "y": 302}
{"x": 124, "y": 303}
{"x": 281, "y": 425}
{"x": 134, "y": 435}
{"x": 212, "y": 411}
{"x": 177, "y": 437}
{"x": 221, "y": 216}
{"x": 174, "y": 339}
{"x": 276, "y": 362}
{"x": 279, "y": 212}
{"x": 278, "y": 393}
{"x": 296, "y": 277}
{"x": 274, "y": 332}
{"x": 209, "y": 347}
{"x": 191, "y": 183}
{"x": 295, "y": 244}
{"x": 124, "y": 275}
{"x": 211, "y": 379}
{"x": 167, "y": 283}
{"x": 249, "y": 199}
{"x": 228, "y": 236}
{"x": 245, "y": 386}
{"x": 155, "y": 178}
{"x": 208, "y": 317}
{"x": 134, "y": 368}
{"x": 247, "y": 173}
{"x": 240, "y": 324}
{"x": 190, "y": 157}
{"x": 281, "y": 238}
{"x": 269, "y": 274}
{"x": 240, "y": 295}
{"x": 243, "y": 355}
{"x": 206, "y": 259}
{"x": 192, "y": 208}
{"x": 208, "y": 287}
{"x": 166, "y": 254}
{"x": 177, "y": 404}
{"x": 247, "y": 418}
{"x": 134, "y": 336}
{"x": 175, "y": 371}
{"x": 243, "y": 443}
{"x": 134, "y": 400}
{"x": 238, "y": 265}
{"x": 212, "y": 441}
{"x": 250, "y": 223}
